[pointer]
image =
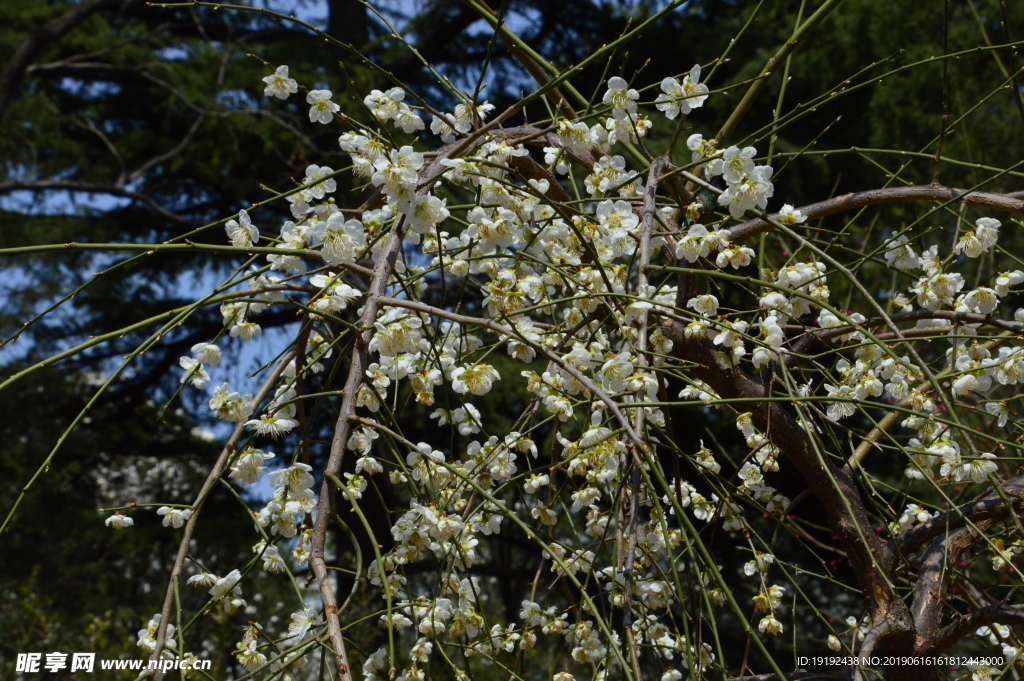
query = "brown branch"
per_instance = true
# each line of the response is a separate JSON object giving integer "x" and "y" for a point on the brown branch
{"x": 35, "y": 41}
{"x": 987, "y": 506}
{"x": 528, "y": 133}
{"x": 836, "y": 490}
{"x": 967, "y": 624}
{"x": 357, "y": 367}
{"x": 930, "y": 594}
{"x": 360, "y": 359}
{"x": 215, "y": 472}
{"x": 839, "y": 204}
{"x": 874, "y": 636}
{"x": 804, "y": 341}
{"x": 532, "y": 170}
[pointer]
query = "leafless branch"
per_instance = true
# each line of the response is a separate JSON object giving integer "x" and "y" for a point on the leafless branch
{"x": 986, "y": 507}
{"x": 971, "y": 622}
{"x": 874, "y": 197}
{"x": 933, "y": 578}
{"x": 215, "y": 472}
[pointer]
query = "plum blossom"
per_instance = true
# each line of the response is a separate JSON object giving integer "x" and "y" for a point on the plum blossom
{"x": 321, "y": 109}
{"x": 279, "y": 84}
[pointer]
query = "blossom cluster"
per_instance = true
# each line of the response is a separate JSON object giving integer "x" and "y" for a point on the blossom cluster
{"x": 564, "y": 289}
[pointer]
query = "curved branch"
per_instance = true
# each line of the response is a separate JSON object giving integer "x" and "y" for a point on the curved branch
{"x": 873, "y": 197}
{"x": 528, "y": 133}
{"x": 993, "y": 614}
{"x": 871, "y": 641}
{"x": 215, "y": 472}
{"x": 988, "y": 506}
{"x": 360, "y": 359}
{"x": 868, "y": 553}
{"x": 930, "y": 594}
{"x": 802, "y": 342}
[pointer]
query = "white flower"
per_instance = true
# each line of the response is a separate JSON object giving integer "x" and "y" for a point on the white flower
{"x": 118, "y": 521}
{"x": 752, "y": 191}
{"x": 694, "y": 245}
{"x": 840, "y": 410}
{"x": 375, "y": 662}
{"x": 574, "y": 136}
{"x": 445, "y": 127}
{"x": 621, "y": 97}
{"x": 682, "y": 98}
{"x": 296, "y": 478}
{"x": 368, "y": 464}
{"x": 751, "y": 475}
{"x": 280, "y": 85}
{"x": 301, "y": 621}
{"x": 706, "y": 305}
{"x": 320, "y": 189}
{"x": 247, "y": 330}
{"x": 202, "y": 579}
{"x": 616, "y": 370}
{"x": 900, "y": 255}
{"x": 207, "y": 353}
{"x": 174, "y": 517}
{"x": 735, "y": 165}
{"x": 249, "y": 466}
{"x": 980, "y": 240}
{"x": 249, "y": 657}
{"x": 227, "y": 585}
{"x": 321, "y": 108}
{"x": 272, "y": 426}
{"x": 398, "y": 174}
{"x": 147, "y": 636}
{"x": 408, "y": 120}
{"x": 242, "y": 233}
{"x": 701, "y": 148}
{"x": 979, "y": 469}
{"x": 476, "y": 379}
{"x": 272, "y": 560}
{"x": 791, "y": 216}
{"x": 385, "y": 105}
{"x": 1005, "y": 280}
{"x": 426, "y": 213}
{"x": 736, "y": 256}
{"x": 194, "y": 372}
{"x": 615, "y": 215}
{"x": 981, "y": 300}
{"x": 343, "y": 239}
{"x": 337, "y": 294}
{"x": 1000, "y": 409}
{"x": 760, "y": 564}
{"x": 534, "y": 482}
{"x": 913, "y": 514}
{"x": 770, "y": 625}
